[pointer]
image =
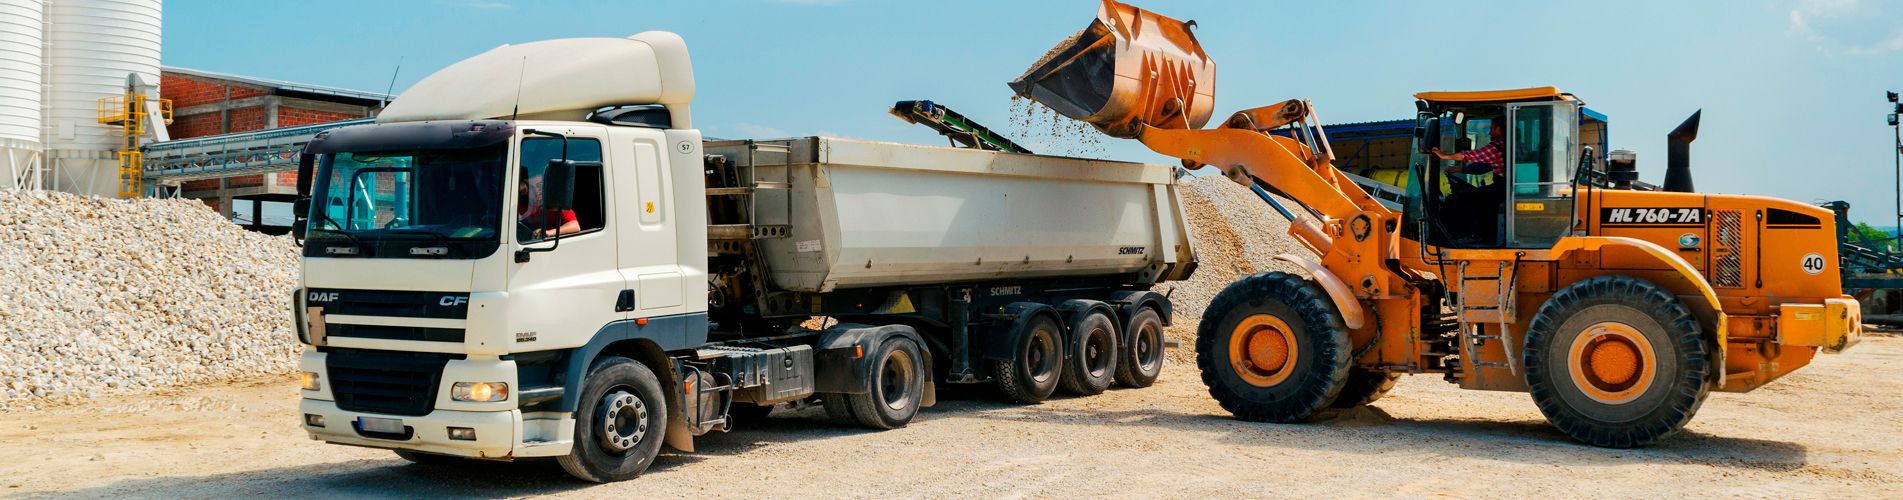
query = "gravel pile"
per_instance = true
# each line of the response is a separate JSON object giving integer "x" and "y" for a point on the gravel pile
{"x": 102, "y": 296}
{"x": 1236, "y": 235}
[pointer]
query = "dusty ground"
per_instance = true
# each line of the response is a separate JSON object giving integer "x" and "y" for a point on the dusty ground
{"x": 1831, "y": 429}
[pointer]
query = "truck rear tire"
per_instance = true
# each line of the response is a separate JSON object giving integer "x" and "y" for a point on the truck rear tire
{"x": 1142, "y": 352}
{"x": 1031, "y": 375}
{"x": 895, "y": 388}
{"x": 1272, "y": 348}
{"x": 1092, "y": 359}
{"x": 1616, "y": 361}
{"x": 620, "y": 423}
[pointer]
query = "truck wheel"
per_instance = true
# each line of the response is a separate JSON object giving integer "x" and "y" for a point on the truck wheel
{"x": 1616, "y": 361}
{"x": 1092, "y": 359}
{"x": 1030, "y": 376}
{"x": 1141, "y": 359}
{"x": 838, "y": 409}
{"x": 895, "y": 388}
{"x": 1272, "y": 348}
{"x": 1364, "y": 386}
{"x": 427, "y": 459}
{"x": 620, "y": 423}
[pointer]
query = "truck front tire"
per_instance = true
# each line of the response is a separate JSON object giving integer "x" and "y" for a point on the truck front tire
{"x": 619, "y": 424}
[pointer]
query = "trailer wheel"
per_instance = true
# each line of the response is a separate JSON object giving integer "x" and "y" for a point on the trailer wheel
{"x": 1092, "y": 359}
{"x": 895, "y": 388}
{"x": 1031, "y": 375}
{"x": 1364, "y": 386}
{"x": 1141, "y": 359}
{"x": 620, "y": 423}
{"x": 1272, "y": 348}
{"x": 1616, "y": 361}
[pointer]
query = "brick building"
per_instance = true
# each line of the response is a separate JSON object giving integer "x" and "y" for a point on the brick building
{"x": 212, "y": 104}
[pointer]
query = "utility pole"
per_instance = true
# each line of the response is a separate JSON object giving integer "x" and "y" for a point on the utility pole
{"x": 1896, "y": 108}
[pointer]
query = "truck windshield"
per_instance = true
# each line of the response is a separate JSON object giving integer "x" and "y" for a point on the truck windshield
{"x": 423, "y": 203}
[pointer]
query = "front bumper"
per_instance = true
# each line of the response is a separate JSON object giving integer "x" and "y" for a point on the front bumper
{"x": 496, "y": 431}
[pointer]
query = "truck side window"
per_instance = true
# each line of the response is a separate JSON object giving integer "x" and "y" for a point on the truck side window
{"x": 590, "y": 207}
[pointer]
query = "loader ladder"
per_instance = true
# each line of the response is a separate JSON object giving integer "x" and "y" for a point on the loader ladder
{"x": 1482, "y": 299}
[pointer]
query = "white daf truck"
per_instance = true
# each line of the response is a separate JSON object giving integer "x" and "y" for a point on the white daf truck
{"x": 533, "y": 253}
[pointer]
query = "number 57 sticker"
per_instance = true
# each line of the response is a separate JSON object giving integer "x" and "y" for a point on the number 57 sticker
{"x": 1813, "y": 263}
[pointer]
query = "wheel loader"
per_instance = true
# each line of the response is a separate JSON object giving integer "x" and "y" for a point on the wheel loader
{"x": 1519, "y": 261}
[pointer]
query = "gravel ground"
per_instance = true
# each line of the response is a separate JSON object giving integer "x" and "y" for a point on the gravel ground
{"x": 101, "y": 297}
{"x": 1830, "y": 430}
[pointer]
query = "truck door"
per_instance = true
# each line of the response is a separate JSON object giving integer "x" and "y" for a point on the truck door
{"x": 1542, "y": 150}
{"x": 649, "y": 256}
{"x": 575, "y": 286}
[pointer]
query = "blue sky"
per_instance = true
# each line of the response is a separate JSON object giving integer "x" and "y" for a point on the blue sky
{"x": 1792, "y": 89}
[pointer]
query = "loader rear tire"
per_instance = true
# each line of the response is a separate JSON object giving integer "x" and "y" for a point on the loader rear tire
{"x": 1364, "y": 386}
{"x": 1142, "y": 359}
{"x": 1272, "y": 348}
{"x": 1616, "y": 361}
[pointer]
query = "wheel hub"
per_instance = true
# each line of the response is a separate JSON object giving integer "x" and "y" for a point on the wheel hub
{"x": 1612, "y": 362}
{"x": 624, "y": 420}
{"x": 1262, "y": 348}
{"x": 895, "y": 380}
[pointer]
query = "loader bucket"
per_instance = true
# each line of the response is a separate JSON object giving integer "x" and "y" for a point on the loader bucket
{"x": 1130, "y": 69}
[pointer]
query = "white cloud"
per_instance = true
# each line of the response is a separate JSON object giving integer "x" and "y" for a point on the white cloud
{"x": 1845, "y": 26}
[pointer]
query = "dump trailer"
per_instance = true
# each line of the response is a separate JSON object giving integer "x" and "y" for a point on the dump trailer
{"x": 1540, "y": 269}
{"x": 575, "y": 272}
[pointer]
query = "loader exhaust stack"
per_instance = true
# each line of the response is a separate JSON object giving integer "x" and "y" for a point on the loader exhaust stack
{"x": 1678, "y": 155}
{"x": 1129, "y": 69}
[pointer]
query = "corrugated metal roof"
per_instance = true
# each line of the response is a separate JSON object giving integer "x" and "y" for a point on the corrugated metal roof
{"x": 295, "y": 87}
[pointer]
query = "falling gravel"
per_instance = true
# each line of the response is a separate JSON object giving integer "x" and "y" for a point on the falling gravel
{"x": 101, "y": 297}
{"x": 1237, "y": 234}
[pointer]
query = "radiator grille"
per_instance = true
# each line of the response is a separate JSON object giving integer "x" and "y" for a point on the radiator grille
{"x": 387, "y": 382}
{"x": 1727, "y": 268}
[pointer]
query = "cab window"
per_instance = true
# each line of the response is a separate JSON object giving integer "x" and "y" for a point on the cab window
{"x": 590, "y": 206}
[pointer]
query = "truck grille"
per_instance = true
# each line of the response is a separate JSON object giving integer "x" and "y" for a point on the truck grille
{"x": 387, "y": 382}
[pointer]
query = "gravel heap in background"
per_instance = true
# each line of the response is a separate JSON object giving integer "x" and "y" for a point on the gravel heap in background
{"x": 101, "y": 296}
{"x": 1237, "y": 234}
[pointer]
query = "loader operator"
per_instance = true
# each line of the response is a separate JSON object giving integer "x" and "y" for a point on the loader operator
{"x": 541, "y": 223}
{"x": 1472, "y": 210}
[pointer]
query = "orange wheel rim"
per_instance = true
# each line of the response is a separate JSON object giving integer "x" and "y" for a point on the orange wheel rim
{"x": 1612, "y": 362}
{"x": 1262, "y": 350}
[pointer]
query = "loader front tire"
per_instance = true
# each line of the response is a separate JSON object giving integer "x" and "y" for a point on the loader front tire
{"x": 1616, "y": 361}
{"x": 1272, "y": 348}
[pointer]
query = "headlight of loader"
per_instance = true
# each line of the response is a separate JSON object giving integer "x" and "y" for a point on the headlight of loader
{"x": 479, "y": 392}
{"x": 310, "y": 381}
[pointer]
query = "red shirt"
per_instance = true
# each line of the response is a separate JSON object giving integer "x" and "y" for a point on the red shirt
{"x": 549, "y": 220}
{"x": 1490, "y": 154}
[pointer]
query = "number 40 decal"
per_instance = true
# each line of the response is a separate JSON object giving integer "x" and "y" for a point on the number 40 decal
{"x": 1813, "y": 263}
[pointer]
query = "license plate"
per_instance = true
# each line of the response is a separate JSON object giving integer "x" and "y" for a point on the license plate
{"x": 380, "y": 425}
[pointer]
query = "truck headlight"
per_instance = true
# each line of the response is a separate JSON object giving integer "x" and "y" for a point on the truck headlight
{"x": 310, "y": 381}
{"x": 479, "y": 392}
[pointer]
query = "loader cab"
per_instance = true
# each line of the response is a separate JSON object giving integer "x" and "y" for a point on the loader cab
{"x": 1525, "y": 200}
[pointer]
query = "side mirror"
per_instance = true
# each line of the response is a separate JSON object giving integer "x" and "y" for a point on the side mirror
{"x": 1427, "y": 135}
{"x": 301, "y": 208}
{"x": 558, "y": 185}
